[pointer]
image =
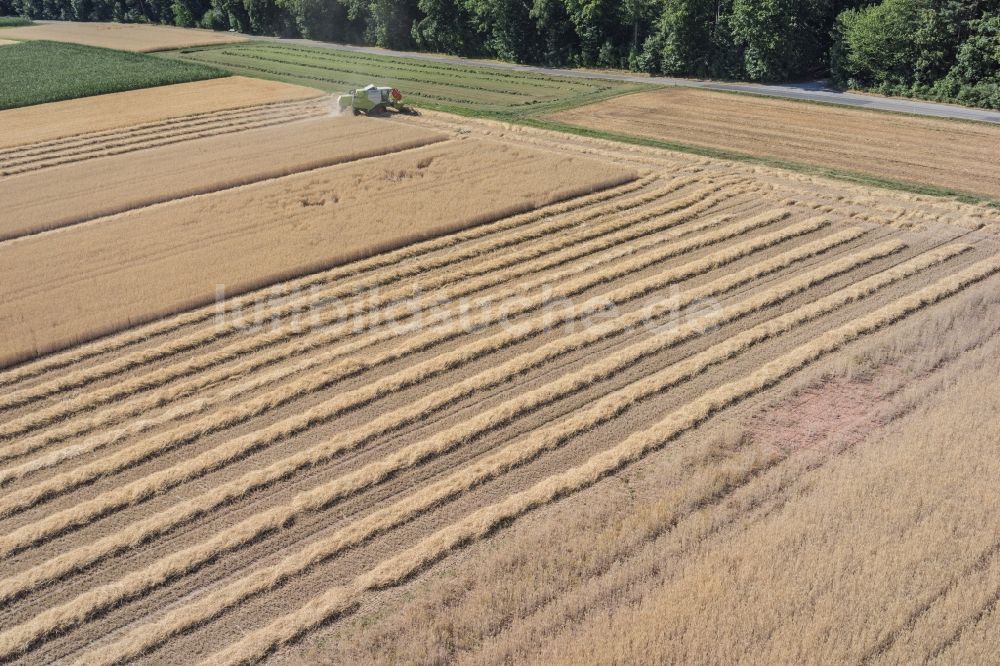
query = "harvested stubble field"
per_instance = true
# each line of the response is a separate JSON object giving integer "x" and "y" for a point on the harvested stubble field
{"x": 952, "y": 155}
{"x": 138, "y": 37}
{"x": 471, "y": 447}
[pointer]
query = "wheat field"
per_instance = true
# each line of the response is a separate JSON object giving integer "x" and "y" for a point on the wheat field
{"x": 548, "y": 399}
{"x": 138, "y": 37}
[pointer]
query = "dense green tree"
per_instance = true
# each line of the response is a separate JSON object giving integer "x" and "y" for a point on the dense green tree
{"x": 445, "y": 26}
{"x": 876, "y": 45}
{"x": 689, "y": 40}
{"x": 941, "y": 49}
{"x": 506, "y": 29}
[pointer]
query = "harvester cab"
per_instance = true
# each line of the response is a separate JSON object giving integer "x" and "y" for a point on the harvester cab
{"x": 373, "y": 100}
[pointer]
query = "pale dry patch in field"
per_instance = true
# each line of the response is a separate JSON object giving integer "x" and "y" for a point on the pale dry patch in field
{"x": 847, "y": 566}
{"x": 956, "y": 155}
{"x": 123, "y": 36}
{"x": 7, "y": 42}
{"x": 45, "y": 122}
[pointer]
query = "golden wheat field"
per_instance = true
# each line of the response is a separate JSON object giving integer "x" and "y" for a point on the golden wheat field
{"x": 129, "y": 116}
{"x": 138, "y": 37}
{"x": 445, "y": 390}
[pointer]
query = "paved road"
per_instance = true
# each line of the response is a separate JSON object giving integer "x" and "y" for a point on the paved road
{"x": 815, "y": 91}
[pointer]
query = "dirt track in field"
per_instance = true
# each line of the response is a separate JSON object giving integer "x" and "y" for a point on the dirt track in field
{"x": 954, "y": 155}
{"x": 208, "y": 487}
{"x": 20, "y": 128}
{"x": 123, "y": 36}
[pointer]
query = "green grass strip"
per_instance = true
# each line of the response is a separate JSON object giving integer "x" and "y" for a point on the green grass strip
{"x": 41, "y": 71}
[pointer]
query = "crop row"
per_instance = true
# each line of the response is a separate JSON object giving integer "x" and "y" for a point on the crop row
{"x": 284, "y": 469}
{"x": 161, "y": 397}
{"x": 449, "y": 69}
{"x": 123, "y": 146}
{"x": 502, "y": 270}
{"x": 380, "y": 269}
{"x": 141, "y": 129}
{"x": 137, "y": 134}
{"x": 485, "y": 521}
{"x": 215, "y": 458}
{"x": 408, "y": 261}
{"x": 482, "y": 80}
{"x": 527, "y": 448}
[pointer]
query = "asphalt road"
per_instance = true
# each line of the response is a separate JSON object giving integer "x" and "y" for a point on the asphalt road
{"x": 814, "y": 91}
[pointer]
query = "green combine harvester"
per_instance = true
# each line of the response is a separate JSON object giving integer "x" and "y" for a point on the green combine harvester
{"x": 373, "y": 100}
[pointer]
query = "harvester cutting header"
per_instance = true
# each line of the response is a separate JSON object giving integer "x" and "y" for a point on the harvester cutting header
{"x": 373, "y": 100}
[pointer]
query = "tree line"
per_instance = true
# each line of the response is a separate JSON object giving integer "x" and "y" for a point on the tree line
{"x": 938, "y": 49}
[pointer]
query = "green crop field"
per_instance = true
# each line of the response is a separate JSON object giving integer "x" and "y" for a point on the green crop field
{"x": 467, "y": 89}
{"x": 38, "y": 72}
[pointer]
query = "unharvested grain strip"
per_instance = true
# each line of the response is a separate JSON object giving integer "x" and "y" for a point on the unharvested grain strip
{"x": 123, "y": 146}
{"x": 31, "y": 167}
{"x": 144, "y": 638}
{"x": 142, "y": 489}
{"x": 389, "y": 260}
{"x": 326, "y": 337}
{"x": 72, "y": 141}
{"x": 42, "y": 150}
{"x": 482, "y": 522}
{"x": 542, "y": 256}
{"x": 153, "y": 526}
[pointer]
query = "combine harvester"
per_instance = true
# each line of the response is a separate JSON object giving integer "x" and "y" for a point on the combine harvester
{"x": 373, "y": 100}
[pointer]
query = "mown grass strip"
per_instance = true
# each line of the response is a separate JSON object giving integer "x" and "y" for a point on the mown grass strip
{"x": 485, "y": 521}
